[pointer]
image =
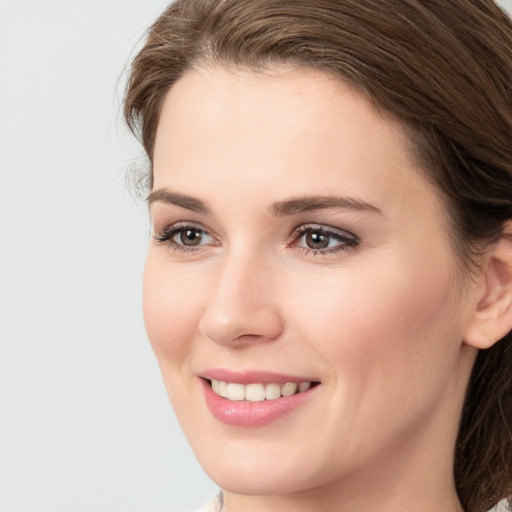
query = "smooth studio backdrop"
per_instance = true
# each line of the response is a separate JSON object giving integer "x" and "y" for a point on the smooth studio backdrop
{"x": 85, "y": 423}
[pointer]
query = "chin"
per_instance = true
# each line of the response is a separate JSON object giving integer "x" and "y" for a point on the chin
{"x": 255, "y": 467}
{"x": 267, "y": 479}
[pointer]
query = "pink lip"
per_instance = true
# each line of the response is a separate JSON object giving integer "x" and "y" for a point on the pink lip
{"x": 251, "y": 377}
{"x": 245, "y": 413}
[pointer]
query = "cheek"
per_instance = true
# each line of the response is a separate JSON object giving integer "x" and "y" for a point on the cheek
{"x": 172, "y": 308}
{"x": 389, "y": 342}
{"x": 384, "y": 308}
{"x": 380, "y": 329}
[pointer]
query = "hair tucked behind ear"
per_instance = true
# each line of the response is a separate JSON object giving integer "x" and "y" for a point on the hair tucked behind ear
{"x": 444, "y": 67}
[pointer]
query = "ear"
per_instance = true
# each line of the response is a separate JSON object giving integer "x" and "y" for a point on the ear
{"x": 491, "y": 319}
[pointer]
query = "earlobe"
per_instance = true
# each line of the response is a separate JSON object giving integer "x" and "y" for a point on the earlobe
{"x": 492, "y": 318}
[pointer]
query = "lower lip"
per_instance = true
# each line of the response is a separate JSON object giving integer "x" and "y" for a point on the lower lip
{"x": 244, "y": 413}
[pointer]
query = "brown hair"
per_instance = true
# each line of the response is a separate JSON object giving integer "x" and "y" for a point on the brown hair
{"x": 444, "y": 68}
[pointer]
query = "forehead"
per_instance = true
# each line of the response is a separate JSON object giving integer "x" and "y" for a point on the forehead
{"x": 296, "y": 128}
{"x": 281, "y": 98}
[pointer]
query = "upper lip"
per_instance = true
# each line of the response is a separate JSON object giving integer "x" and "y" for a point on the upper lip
{"x": 252, "y": 376}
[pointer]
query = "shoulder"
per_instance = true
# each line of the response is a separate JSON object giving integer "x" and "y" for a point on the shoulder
{"x": 214, "y": 505}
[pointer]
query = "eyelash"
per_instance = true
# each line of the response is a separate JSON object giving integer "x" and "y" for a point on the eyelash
{"x": 346, "y": 240}
{"x": 166, "y": 236}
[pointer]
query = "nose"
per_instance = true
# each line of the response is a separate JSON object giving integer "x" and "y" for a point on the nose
{"x": 241, "y": 306}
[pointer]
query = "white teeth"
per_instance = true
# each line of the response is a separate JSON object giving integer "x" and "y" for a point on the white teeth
{"x": 223, "y": 389}
{"x": 304, "y": 386}
{"x": 236, "y": 391}
{"x": 289, "y": 389}
{"x": 257, "y": 392}
{"x": 272, "y": 391}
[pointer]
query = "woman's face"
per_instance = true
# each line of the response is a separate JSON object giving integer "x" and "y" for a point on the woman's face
{"x": 297, "y": 247}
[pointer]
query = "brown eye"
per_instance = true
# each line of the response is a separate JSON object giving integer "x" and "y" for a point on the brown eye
{"x": 317, "y": 240}
{"x": 184, "y": 237}
{"x": 190, "y": 236}
{"x": 323, "y": 239}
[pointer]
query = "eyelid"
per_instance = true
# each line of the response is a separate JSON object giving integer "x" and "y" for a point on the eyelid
{"x": 182, "y": 224}
{"x": 165, "y": 236}
{"x": 331, "y": 230}
{"x": 347, "y": 240}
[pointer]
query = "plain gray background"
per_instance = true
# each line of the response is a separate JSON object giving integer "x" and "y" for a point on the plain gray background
{"x": 85, "y": 424}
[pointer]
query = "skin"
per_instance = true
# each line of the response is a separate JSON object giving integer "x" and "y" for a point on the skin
{"x": 380, "y": 323}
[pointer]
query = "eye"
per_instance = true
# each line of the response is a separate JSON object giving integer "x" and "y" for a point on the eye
{"x": 322, "y": 239}
{"x": 189, "y": 236}
{"x": 185, "y": 237}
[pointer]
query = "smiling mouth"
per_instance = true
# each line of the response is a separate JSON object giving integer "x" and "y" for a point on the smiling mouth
{"x": 258, "y": 392}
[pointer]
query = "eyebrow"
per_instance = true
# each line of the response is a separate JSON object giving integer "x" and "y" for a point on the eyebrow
{"x": 308, "y": 203}
{"x": 188, "y": 202}
{"x": 291, "y": 206}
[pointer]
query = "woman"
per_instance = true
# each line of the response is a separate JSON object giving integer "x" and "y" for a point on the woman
{"x": 328, "y": 289}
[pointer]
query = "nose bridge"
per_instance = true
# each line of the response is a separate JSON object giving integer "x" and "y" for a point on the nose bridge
{"x": 241, "y": 305}
{"x": 245, "y": 274}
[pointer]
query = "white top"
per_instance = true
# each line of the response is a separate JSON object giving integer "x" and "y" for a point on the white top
{"x": 214, "y": 505}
